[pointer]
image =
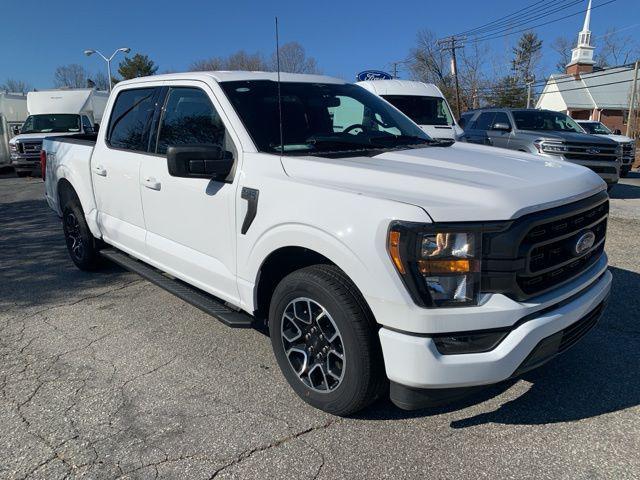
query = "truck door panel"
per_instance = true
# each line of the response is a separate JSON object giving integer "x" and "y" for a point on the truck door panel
{"x": 115, "y": 169}
{"x": 499, "y": 138}
{"x": 190, "y": 222}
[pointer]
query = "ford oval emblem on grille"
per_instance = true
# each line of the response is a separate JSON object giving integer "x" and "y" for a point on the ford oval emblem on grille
{"x": 585, "y": 242}
{"x": 593, "y": 151}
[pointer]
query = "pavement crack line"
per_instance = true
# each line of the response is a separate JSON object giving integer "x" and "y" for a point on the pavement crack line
{"x": 245, "y": 455}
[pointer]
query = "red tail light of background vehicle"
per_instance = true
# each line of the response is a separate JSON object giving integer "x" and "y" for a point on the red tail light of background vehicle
{"x": 43, "y": 163}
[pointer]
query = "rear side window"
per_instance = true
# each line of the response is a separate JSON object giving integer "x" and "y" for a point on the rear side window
{"x": 189, "y": 118}
{"x": 129, "y": 119}
{"x": 484, "y": 121}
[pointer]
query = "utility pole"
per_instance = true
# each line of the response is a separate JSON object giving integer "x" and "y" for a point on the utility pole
{"x": 529, "y": 85}
{"x": 452, "y": 44}
{"x": 632, "y": 103}
{"x": 395, "y": 69}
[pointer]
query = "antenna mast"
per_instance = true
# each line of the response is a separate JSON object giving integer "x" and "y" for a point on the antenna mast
{"x": 279, "y": 94}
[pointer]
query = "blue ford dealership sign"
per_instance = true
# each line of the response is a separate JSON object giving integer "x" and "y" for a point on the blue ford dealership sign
{"x": 373, "y": 75}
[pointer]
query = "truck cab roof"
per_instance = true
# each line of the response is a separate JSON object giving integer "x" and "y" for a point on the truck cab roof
{"x": 231, "y": 76}
{"x": 401, "y": 87}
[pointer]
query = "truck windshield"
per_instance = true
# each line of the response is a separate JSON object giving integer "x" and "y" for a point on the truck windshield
{"x": 422, "y": 110}
{"x": 596, "y": 128}
{"x": 545, "y": 120}
{"x": 51, "y": 123}
{"x": 320, "y": 117}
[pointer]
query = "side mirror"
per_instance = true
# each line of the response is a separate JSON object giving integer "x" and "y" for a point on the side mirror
{"x": 199, "y": 161}
{"x": 503, "y": 127}
{"x": 16, "y": 130}
{"x": 96, "y": 127}
{"x": 617, "y": 131}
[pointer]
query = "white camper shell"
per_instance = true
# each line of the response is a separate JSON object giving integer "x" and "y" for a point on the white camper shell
{"x": 55, "y": 113}
{"x": 13, "y": 112}
{"x": 421, "y": 102}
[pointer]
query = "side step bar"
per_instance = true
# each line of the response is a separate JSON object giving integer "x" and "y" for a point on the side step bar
{"x": 202, "y": 300}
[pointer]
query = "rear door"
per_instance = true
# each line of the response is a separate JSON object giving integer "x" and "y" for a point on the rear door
{"x": 477, "y": 131}
{"x": 115, "y": 168}
{"x": 190, "y": 222}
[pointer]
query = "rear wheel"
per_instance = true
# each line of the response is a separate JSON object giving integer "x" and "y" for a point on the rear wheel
{"x": 22, "y": 173}
{"x": 325, "y": 340}
{"x": 81, "y": 244}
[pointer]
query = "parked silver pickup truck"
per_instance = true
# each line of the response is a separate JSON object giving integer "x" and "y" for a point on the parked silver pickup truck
{"x": 546, "y": 133}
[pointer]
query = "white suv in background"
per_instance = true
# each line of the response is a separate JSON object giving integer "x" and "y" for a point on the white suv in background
{"x": 423, "y": 103}
{"x": 627, "y": 144}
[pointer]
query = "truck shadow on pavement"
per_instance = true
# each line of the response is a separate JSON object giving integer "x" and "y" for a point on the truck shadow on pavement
{"x": 35, "y": 269}
{"x": 626, "y": 191}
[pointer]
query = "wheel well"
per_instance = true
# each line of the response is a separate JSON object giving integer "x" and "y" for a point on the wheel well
{"x": 278, "y": 265}
{"x": 66, "y": 192}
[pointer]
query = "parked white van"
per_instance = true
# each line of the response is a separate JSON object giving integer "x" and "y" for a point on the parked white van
{"x": 13, "y": 112}
{"x": 421, "y": 102}
{"x": 54, "y": 113}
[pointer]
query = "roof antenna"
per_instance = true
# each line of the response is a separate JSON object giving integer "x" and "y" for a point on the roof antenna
{"x": 279, "y": 95}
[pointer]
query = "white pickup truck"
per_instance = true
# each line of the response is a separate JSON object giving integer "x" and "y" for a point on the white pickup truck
{"x": 381, "y": 261}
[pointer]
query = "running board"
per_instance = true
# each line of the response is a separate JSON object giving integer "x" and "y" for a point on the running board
{"x": 202, "y": 300}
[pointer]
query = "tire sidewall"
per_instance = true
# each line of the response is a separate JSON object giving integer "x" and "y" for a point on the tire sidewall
{"x": 88, "y": 260}
{"x": 356, "y": 371}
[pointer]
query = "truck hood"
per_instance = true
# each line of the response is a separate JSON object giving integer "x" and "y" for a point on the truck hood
{"x": 569, "y": 136}
{"x": 39, "y": 136}
{"x": 463, "y": 182}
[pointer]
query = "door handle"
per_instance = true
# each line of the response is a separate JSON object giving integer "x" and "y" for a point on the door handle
{"x": 151, "y": 183}
{"x": 100, "y": 170}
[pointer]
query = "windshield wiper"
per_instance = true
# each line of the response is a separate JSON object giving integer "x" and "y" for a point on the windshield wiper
{"x": 338, "y": 141}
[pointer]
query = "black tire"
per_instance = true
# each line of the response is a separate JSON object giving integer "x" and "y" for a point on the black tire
{"x": 81, "y": 244}
{"x": 624, "y": 172}
{"x": 362, "y": 374}
{"x": 22, "y": 173}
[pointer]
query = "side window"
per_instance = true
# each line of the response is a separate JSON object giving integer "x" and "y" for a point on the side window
{"x": 190, "y": 118}
{"x": 129, "y": 118}
{"x": 348, "y": 112}
{"x": 464, "y": 119}
{"x": 501, "y": 117}
{"x": 484, "y": 121}
{"x": 87, "y": 126}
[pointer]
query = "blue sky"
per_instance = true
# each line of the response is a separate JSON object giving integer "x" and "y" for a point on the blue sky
{"x": 344, "y": 36}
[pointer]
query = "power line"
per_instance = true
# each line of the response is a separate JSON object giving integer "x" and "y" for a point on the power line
{"x": 526, "y": 19}
{"x": 492, "y": 37}
{"x": 505, "y": 18}
{"x": 498, "y": 88}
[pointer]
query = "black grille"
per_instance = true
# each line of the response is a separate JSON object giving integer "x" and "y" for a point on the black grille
{"x": 538, "y": 252}
{"x": 611, "y": 170}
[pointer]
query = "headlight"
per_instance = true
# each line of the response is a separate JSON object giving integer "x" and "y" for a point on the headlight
{"x": 554, "y": 148}
{"x": 439, "y": 265}
{"x": 12, "y": 147}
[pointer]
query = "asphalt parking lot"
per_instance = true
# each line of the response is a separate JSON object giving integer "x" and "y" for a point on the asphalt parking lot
{"x": 104, "y": 375}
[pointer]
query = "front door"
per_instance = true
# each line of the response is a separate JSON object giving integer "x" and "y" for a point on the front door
{"x": 115, "y": 169}
{"x": 190, "y": 222}
{"x": 500, "y": 137}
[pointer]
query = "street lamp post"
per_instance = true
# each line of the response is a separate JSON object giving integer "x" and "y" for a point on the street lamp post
{"x": 108, "y": 60}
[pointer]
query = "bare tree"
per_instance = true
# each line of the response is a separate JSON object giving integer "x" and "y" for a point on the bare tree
{"x": 100, "y": 81}
{"x": 15, "y": 86}
{"x": 614, "y": 49}
{"x": 562, "y": 46}
{"x": 70, "y": 76}
{"x": 239, "y": 60}
{"x": 207, "y": 65}
{"x": 428, "y": 63}
{"x": 293, "y": 59}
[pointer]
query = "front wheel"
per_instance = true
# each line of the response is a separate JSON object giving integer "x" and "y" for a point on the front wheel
{"x": 22, "y": 173}
{"x": 81, "y": 244}
{"x": 325, "y": 340}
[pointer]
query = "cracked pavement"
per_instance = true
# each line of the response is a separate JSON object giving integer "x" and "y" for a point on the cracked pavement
{"x": 104, "y": 375}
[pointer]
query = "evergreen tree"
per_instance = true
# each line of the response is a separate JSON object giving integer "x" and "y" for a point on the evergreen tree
{"x": 136, "y": 66}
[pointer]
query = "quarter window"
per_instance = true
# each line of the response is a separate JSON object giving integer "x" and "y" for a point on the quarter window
{"x": 501, "y": 117}
{"x": 190, "y": 118}
{"x": 129, "y": 119}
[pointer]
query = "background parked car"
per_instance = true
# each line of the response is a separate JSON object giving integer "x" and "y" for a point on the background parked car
{"x": 627, "y": 144}
{"x": 546, "y": 133}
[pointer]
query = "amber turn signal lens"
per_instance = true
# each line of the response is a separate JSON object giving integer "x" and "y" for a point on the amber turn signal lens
{"x": 438, "y": 267}
{"x": 394, "y": 251}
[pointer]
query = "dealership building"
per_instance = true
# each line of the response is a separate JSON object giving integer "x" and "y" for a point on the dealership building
{"x": 587, "y": 94}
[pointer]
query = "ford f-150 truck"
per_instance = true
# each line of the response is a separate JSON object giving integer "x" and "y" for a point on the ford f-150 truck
{"x": 381, "y": 261}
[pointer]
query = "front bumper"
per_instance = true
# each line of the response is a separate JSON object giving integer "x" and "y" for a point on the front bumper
{"x": 414, "y": 361}
{"x": 607, "y": 170}
{"x": 30, "y": 162}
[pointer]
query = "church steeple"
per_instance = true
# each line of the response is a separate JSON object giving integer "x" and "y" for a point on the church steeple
{"x": 582, "y": 54}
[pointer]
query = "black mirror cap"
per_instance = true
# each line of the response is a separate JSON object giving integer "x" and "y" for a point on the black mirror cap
{"x": 16, "y": 130}
{"x": 617, "y": 131}
{"x": 199, "y": 161}
{"x": 96, "y": 127}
